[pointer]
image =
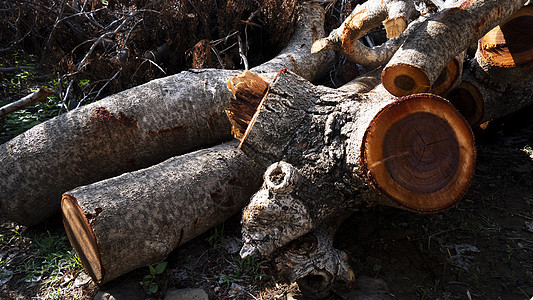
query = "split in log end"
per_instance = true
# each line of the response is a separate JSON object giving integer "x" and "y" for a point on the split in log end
{"x": 419, "y": 152}
{"x": 248, "y": 89}
{"x": 81, "y": 237}
{"x": 404, "y": 79}
{"x": 468, "y": 100}
{"x": 449, "y": 77}
{"x": 509, "y": 45}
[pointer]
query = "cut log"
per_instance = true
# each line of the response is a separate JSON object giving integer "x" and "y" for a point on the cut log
{"x": 131, "y": 130}
{"x": 331, "y": 151}
{"x": 326, "y": 148}
{"x": 138, "y": 218}
{"x": 39, "y": 95}
{"x": 416, "y": 65}
{"x": 498, "y": 81}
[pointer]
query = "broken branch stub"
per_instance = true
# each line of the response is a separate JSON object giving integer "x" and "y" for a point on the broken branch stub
{"x": 342, "y": 143}
{"x": 419, "y": 61}
{"x": 39, "y": 95}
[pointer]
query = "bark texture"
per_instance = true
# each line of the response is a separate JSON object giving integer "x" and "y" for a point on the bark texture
{"x": 138, "y": 218}
{"x": 131, "y": 130}
{"x": 327, "y": 148}
{"x": 418, "y": 62}
{"x": 124, "y": 132}
{"x": 330, "y": 151}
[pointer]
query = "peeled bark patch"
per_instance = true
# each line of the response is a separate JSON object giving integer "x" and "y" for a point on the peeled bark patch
{"x": 419, "y": 154}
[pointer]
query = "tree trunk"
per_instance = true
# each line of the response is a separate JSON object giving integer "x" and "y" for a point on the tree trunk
{"x": 138, "y": 218}
{"x": 330, "y": 152}
{"x": 326, "y": 148}
{"x": 418, "y": 62}
{"x": 127, "y": 131}
{"x": 497, "y": 81}
{"x": 133, "y": 129}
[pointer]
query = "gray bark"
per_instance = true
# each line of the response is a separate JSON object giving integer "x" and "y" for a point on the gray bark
{"x": 138, "y": 218}
{"x": 317, "y": 143}
{"x": 320, "y": 143}
{"x": 394, "y": 14}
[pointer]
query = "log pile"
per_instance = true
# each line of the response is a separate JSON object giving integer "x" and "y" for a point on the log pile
{"x": 133, "y": 186}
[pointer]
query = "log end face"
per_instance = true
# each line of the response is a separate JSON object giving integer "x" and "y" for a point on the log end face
{"x": 404, "y": 79}
{"x": 509, "y": 45}
{"x": 395, "y": 26}
{"x": 468, "y": 100}
{"x": 449, "y": 77}
{"x": 419, "y": 152}
{"x": 81, "y": 237}
{"x": 320, "y": 45}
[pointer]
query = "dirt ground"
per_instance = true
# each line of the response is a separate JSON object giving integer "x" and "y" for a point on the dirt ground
{"x": 481, "y": 249}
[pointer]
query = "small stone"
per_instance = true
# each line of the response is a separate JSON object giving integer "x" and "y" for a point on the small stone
{"x": 129, "y": 290}
{"x": 186, "y": 294}
{"x": 81, "y": 279}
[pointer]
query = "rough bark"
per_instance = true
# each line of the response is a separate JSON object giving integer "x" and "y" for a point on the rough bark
{"x": 418, "y": 62}
{"x": 39, "y": 95}
{"x": 130, "y": 130}
{"x": 393, "y": 14}
{"x": 326, "y": 148}
{"x": 498, "y": 81}
{"x": 138, "y": 218}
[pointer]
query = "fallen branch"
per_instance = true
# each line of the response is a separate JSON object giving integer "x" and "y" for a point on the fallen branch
{"x": 394, "y": 14}
{"x": 39, "y": 95}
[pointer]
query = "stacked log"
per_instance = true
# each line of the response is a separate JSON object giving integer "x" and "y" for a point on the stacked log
{"x": 419, "y": 61}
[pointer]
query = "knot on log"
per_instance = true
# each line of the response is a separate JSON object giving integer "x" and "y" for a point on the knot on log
{"x": 275, "y": 215}
{"x": 281, "y": 177}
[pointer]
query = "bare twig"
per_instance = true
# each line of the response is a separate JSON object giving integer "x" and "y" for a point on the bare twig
{"x": 38, "y": 95}
{"x": 17, "y": 68}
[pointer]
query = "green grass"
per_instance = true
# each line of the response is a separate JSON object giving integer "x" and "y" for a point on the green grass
{"x": 53, "y": 258}
{"x": 249, "y": 269}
